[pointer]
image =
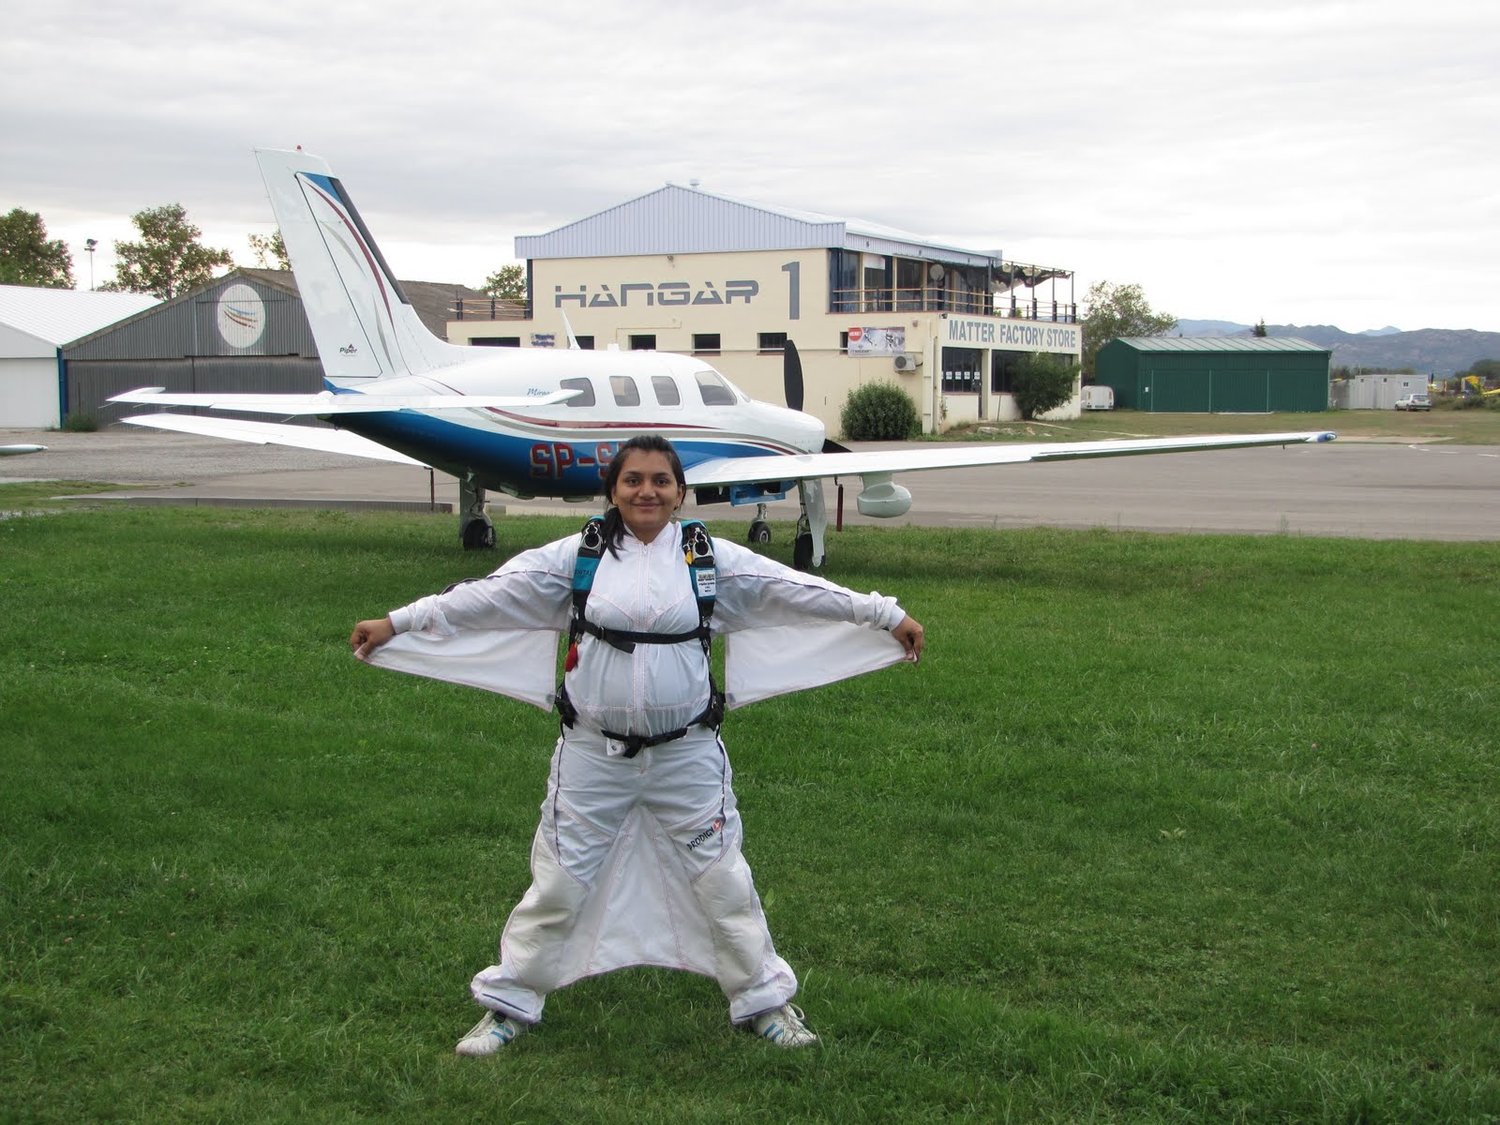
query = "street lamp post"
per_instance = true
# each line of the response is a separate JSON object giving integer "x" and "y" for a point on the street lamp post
{"x": 89, "y": 244}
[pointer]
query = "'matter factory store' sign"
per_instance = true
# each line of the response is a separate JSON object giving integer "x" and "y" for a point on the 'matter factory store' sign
{"x": 1012, "y": 335}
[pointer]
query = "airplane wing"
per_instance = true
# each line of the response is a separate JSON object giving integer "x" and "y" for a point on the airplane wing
{"x": 270, "y": 433}
{"x": 812, "y": 466}
{"x": 17, "y": 450}
{"x": 327, "y": 403}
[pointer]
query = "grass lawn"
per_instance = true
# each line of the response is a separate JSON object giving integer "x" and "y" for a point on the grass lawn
{"x": 1163, "y": 828}
{"x": 1454, "y": 427}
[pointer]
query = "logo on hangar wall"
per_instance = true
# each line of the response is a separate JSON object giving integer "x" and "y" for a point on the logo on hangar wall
{"x": 241, "y": 316}
{"x": 666, "y": 294}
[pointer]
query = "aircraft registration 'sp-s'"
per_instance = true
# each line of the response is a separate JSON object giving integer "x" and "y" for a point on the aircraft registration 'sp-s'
{"x": 538, "y": 422}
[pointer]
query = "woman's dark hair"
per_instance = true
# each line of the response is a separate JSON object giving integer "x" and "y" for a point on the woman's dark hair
{"x": 614, "y": 524}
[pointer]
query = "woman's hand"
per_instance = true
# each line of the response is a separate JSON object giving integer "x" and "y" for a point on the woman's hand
{"x": 370, "y": 635}
{"x": 910, "y": 634}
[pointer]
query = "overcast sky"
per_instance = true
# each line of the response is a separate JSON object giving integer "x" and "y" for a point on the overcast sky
{"x": 1306, "y": 162}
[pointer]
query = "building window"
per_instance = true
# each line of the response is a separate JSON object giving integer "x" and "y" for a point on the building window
{"x": 1003, "y": 371}
{"x": 843, "y": 281}
{"x": 496, "y": 341}
{"x": 961, "y": 370}
{"x": 626, "y": 392}
{"x": 585, "y": 343}
{"x": 877, "y": 282}
{"x": 705, "y": 343}
{"x": 586, "y": 398}
{"x": 643, "y": 343}
{"x": 909, "y": 275}
{"x": 665, "y": 389}
{"x": 772, "y": 342}
{"x": 714, "y": 390}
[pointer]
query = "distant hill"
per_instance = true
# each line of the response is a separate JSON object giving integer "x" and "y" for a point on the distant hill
{"x": 1437, "y": 351}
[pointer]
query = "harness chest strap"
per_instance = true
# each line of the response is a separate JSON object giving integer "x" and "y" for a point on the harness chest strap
{"x": 698, "y": 554}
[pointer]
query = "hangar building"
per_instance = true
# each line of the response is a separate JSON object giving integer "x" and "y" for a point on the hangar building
{"x": 35, "y": 326}
{"x": 685, "y": 270}
{"x": 245, "y": 332}
{"x": 1215, "y": 374}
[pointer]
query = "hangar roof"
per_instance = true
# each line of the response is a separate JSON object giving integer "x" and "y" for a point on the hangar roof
{"x": 54, "y": 317}
{"x": 1219, "y": 344}
{"x": 685, "y": 220}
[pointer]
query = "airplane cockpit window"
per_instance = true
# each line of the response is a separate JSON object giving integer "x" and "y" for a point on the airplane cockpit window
{"x": 665, "y": 388}
{"x": 626, "y": 392}
{"x": 586, "y": 389}
{"x": 714, "y": 389}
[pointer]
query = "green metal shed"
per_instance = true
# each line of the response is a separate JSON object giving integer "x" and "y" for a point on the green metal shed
{"x": 1214, "y": 374}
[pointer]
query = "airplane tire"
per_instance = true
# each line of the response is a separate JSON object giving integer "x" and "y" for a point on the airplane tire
{"x": 802, "y": 551}
{"x": 760, "y": 532}
{"x": 478, "y": 535}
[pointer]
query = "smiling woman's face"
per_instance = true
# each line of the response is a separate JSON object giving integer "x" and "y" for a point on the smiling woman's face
{"x": 647, "y": 493}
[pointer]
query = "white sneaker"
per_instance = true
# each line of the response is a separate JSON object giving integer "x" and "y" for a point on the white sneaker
{"x": 784, "y": 1027}
{"x": 489, "y": 1035}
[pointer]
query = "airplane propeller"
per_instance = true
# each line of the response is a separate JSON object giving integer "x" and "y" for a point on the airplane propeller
{"x": 791, "y": 376}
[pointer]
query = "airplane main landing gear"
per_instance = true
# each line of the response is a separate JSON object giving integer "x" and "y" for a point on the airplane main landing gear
{"x": 475, "y": 531}
{"x": 802, "y": 551}
{"x": 808, "y": 550}
{"x": 478, "y": 535}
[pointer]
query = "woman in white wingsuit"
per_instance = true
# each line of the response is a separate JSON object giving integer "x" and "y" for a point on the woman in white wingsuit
{"x": 637, "y": 857}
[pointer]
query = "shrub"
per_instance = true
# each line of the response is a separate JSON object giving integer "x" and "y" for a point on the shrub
{"x": 1042, "y": 381}
{"x": 80, "y": 424}
{"x": 879, "y": 412}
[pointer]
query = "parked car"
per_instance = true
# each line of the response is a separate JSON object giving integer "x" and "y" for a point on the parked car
{"x": 1414, "y": 402}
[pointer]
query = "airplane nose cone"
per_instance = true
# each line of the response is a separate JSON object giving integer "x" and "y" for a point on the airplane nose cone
{"x": 802, "y": 430}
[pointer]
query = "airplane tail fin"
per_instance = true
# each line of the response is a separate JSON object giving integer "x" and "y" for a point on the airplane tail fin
{"x": 364, "y": 325}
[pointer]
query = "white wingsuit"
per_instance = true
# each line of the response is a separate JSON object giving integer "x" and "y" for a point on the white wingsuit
{"x": 637, "y": 861}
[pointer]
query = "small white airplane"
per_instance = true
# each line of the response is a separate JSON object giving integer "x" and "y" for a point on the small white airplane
{"x": 539, "y": 422}
{"x": 17, "y": 450}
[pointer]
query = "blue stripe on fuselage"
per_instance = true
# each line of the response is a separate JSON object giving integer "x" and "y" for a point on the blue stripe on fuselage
{"x": 553, "y": 467}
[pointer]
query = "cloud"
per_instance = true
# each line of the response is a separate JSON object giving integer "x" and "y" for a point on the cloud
{"x": 1279, "y": 155}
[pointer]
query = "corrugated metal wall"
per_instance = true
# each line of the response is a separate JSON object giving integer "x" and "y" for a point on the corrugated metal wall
{"x": 179, "y": 346}
{"x": 1207, "y": 382}
{"x": 92, "y": 382}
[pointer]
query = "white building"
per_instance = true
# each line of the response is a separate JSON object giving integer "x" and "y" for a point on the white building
{"x": 35, "y": 324}
{"x": 685, "y": 270}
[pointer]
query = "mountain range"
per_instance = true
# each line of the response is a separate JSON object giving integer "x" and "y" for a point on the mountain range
{"x": 1436, "y": 351}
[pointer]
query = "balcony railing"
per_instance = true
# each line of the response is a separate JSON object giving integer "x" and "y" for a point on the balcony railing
{"x": 933, "y": 299}
{"x": 490, "y": 308}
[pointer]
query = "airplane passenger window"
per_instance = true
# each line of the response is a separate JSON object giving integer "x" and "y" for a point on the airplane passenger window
{"x": 714, "y": 390}
{"x": 626, "y": 392}
{"x": 584, "y": 399}
{"x": 666, "y": 391}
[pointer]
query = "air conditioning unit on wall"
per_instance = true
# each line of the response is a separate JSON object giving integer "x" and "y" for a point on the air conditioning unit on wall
{"x": 908, "y": 361}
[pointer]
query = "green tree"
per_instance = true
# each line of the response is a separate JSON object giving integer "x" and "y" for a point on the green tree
{"x": 1259, "y": 331}
{"x": 168, "y": 259}
{"x": 507, "y": 283}
{"x": 1112, "y": 311}
{"x": 29, "y": 257}
{"x": 270, "y": 253}
{"x": 1042, "y": 381}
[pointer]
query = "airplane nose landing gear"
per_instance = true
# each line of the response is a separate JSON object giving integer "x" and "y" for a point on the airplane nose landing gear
{"x": 760, "y": 530}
